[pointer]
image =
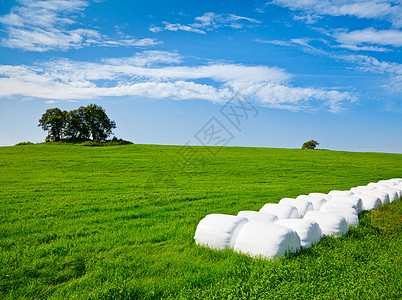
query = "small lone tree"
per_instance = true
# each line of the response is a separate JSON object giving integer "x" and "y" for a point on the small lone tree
{"x": 310, "y": 144}
{"x": 53, "y": 121}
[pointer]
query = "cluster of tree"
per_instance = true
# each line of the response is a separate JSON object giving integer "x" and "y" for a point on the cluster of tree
{"x": 83, "y": 123}
{"x": 311, "y": 144}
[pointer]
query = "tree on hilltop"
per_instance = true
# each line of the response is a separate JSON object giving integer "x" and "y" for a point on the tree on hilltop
{"x": 74, "y": 127}
{"x": 311, "y": 144}
{"x": 97, "y": 123}
{"x": 80, "y": 124}
{"x": 53, "y": 121}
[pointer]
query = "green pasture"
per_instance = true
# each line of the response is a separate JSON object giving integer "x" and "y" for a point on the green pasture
{"x": 118, "y": 223}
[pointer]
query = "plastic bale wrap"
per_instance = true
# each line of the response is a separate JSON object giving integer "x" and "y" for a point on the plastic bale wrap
{"x": 330, "y": 223}
{"x": 349, "y": 214}
{"x": 397, "y": 190}
{"x": 302, "y": 206}
{"x": 257, "y": 216}
{"x": 396, "y": 180}
{"x": 356, "y": 201}
{"x": 282, "y": 211}
{"x": 384, "y": 197}
{"x": 267, "y": 240}
{"x": 364, "y": 187}
{"x": 308, "y": 230}
{"x": 370, "y": 202}
{"x": 372, "y": 184}
{"x": 393, "y": 195}
{"x": 340, "y": 193}
{"x": 398, "y": 187}
{"x": 392, "y": 188}
{"x": 361, "y": 189}
{"x": 325, "y": 196}
{"x": 219, "y": 231}
{"x": 387, "y": 182}
{"x": 316, "y": 201}
{"x": 338, "y": 205}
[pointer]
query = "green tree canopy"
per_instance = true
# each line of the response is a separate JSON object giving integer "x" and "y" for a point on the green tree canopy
{"x": 76, "y": 128}
{"x": 96, "y": 122}
{"x": 311, "y": 144}
{"x": 80, "y": 124}
{"x": 54, "y": 121}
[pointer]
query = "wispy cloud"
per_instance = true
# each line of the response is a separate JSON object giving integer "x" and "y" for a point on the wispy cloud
{"x": 364, "y": 63}
{"x": 146, "y": 58}
{"x": 375, "y": 9}
{"x": 177, "y": 27}
{"x": 151, "y": 74}
{"x": 303, "y": 43}
{"x": 372, "y": 64}
{"x": 370, "y": 36}
{"x": 363, "y": 48}
{"x": 207, "y": 22}
{"x": 51, "y": 25}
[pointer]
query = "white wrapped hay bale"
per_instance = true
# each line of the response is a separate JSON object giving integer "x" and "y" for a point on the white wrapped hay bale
{"x": 365, "y": 187}
{"x": 356, "y": 201}
{"x": 392, "y": 194}
{"x": 330, "y": 223}
{"x": 391, "y": 182}
{"x": 308, "y": 230}
{"x": 370, "y": 202}
{"x": 302, "y": 206}
{"x": 387, "y": 182}
{"x": 384, "y": 197}
{"x": 282, "y": 211}
{"x": 316, "y": 201}
{"x": 340, "y": 193}
{"x": 397, "y": 190}
{"x": 322, "y": 195}
{"x": 348, "y": 213}
{"x": 267, "y": 240}
{"x": 338, "y": 205}
{"x": 392, "y": 188}
{"x": 372, "y": 184}
{"x": 257, "y": 216}
{"x": 219, "y": 231}
{"x": 396, "y": 180}
{"x": 360, "y": 189}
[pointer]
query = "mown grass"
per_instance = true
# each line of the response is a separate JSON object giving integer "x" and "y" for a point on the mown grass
{"x": 118, "y": 223}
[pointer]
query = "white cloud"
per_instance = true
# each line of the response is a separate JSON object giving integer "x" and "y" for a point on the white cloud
{"x": 370, "y": 36}
{"x": 176, "y": 27}
{"x": 146, "y": 58}
{"x": 308, "y": 18}
{"x": 207, "y": 22}
{"x": 301, "y": 42}
{"x": 372, "y": 64}
{"x": 274, "y": 42}
{"x": 380, "y": 9}
{"x": 49, "y": 25}
{"x": 155, "y": 29}
{"x": 363, "y": 63}
{"x": 363, "y": 48}
{"x": 144, "y": 76}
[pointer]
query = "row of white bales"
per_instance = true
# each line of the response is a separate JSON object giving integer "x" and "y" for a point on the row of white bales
{"x": 294, "y": 223}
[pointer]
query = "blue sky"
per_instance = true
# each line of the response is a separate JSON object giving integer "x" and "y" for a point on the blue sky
{"x": 305, "y": 69}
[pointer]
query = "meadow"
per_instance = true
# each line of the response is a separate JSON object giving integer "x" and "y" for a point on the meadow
{"x": 118, "y": 223}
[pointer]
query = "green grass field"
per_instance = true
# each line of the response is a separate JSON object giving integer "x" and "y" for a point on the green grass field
{"x": 118, "y": 222}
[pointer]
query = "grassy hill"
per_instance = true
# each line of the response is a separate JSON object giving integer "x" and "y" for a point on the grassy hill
{"x": 118, "y": 222}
